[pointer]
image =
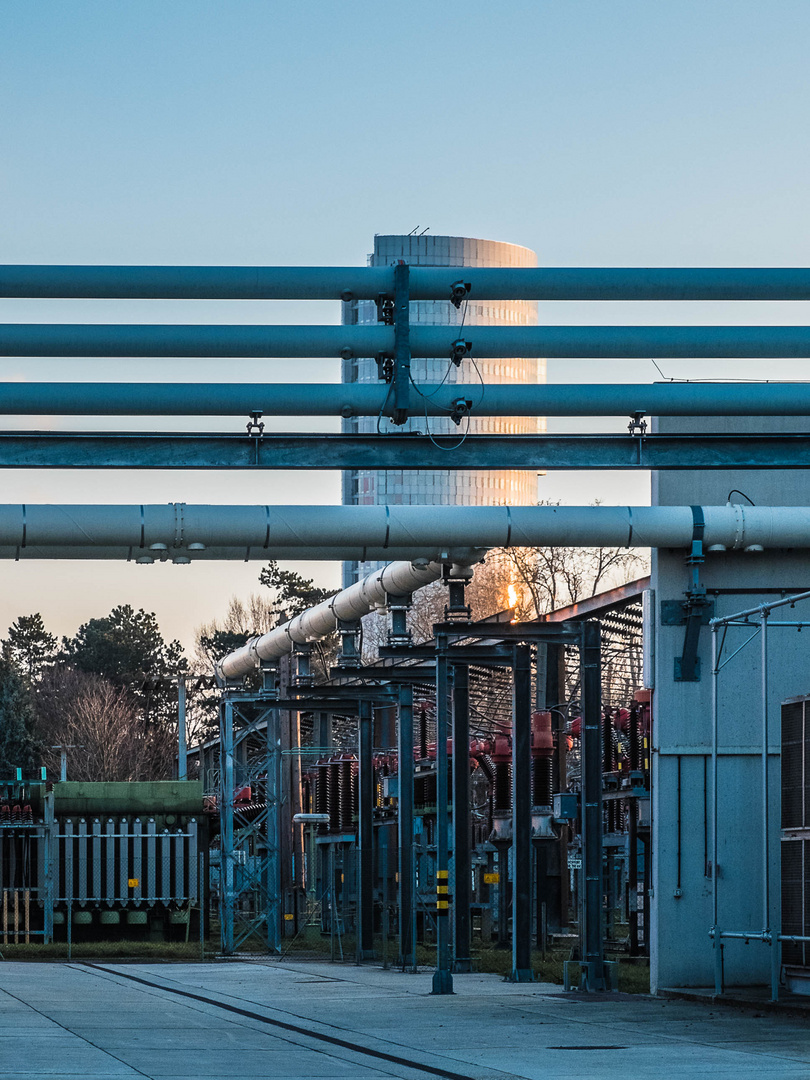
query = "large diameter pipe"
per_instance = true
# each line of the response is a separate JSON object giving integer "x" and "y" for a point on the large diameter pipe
{"x": 396, "y": 579}
{"x": 596, "y": 342}
{"x": 426, "y": 283}
{"x": 183, "y": 555}
{"x": 180, "y": 527}
{"x": 358, "y": 399}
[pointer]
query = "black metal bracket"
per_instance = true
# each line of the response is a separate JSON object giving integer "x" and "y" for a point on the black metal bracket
{"x": 687, "y": 665}
{"x": 461, "y": 408}
{"x": 385, "y": 310}
{"x": 255, "y": 426}
{"x": 459, "y": 350}
{"x": 459, "y": 291}
{"x": 396, "y": 370}
{"x": 637, "y": 425}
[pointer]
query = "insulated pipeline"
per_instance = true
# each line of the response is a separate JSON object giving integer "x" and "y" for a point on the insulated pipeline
{"x": 357, "y": 399}
{"x": 426, "y": 283}
{"x": 409, "y": 530}
{"x": 395, "y": 579}
{"x": 484, "y": 342}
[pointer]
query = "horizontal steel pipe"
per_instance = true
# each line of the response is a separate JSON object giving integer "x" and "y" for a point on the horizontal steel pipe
{"x": 181, "y": 527}
{"x": 192, "y": 450}
{"x": 596, "y": 342}
{"x": 183, "y": 556}
{"x": 197, "y": 282}
{"x": 426, "y": 283}
{"x": 358, "y": 399}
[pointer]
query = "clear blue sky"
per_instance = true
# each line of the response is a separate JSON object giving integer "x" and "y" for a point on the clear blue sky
{"x": 598, "y": 133}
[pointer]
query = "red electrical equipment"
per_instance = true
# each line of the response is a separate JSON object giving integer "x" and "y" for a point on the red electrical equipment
{"x": 542, "y": 754}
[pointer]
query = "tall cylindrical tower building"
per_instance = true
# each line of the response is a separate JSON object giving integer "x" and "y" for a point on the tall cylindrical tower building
{"x": 468, "y": 487}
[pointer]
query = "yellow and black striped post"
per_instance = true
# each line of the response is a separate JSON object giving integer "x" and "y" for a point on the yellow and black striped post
{"x": 443, "y": 897}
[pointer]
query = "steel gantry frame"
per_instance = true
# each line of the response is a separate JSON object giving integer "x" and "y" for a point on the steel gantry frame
{"x": 394, "y": 341}
{"x": 250, "y": 856}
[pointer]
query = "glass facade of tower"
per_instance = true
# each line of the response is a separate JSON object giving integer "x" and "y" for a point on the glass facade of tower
{"x": 468, "y": 487}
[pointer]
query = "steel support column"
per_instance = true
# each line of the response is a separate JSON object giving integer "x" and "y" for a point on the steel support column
{"x": 226, "y": 797}
{"x": 365, "y": 835}
{"x": 442, "y": 977}
{"x": 182, "y": 758}
{"x": 272, "y": 838}
{"x": 522, "y": 815}
{"x": 593, "y": 965}
{"x": 407, "y": 880}
{"x": 462, "y": 886}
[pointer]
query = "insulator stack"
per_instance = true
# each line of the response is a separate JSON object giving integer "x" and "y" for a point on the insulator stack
{"x": 332, "y": 789}
{"x": 431, "y": 790}
{"x": 502, "y": 789}
{"x": 608, "y": 749}
{"x": 354, "y": 804}
{"x": 542, "y": 772}
{"x": 346, "y": 796}
{"x": 419, "y": 791}
{"x": 321, "y": 794}
{"x": 635, "y": 740}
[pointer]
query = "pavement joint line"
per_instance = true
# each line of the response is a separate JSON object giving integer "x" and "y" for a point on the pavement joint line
{"x": 75, "y": 1035}
{"x": 380, "y": 1055}
{"x": 323, "y": 1023}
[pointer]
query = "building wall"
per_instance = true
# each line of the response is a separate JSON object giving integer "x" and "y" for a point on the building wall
{"x": 446, "y": 486}
{"x": 682, "y": 953}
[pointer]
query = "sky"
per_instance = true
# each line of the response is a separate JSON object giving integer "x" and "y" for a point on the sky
{"x": 597, "y": 132}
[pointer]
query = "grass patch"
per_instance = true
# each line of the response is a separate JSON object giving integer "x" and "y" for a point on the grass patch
{"x": 104, "y": 950}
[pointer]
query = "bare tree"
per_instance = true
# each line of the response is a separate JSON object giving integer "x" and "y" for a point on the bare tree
{"x": 111, "y": 738}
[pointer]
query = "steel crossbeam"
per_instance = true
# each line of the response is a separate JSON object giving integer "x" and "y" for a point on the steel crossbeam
{"x": 190, "y": 450}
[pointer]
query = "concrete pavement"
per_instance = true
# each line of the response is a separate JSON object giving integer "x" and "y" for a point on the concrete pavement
{"x": 279, "y": 1020}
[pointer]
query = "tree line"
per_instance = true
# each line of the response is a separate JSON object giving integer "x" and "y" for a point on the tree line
{"x": 109, "y": 694}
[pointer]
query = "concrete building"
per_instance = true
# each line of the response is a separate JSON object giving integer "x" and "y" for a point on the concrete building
{"x": 467, "y": 487}
{"x": 682, "y": 909}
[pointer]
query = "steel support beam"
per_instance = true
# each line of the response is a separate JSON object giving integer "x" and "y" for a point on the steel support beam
{"x": 522, "y": 815}
{"x": 442, "y": 976}
{"x": 593, "y": 966}
{"x": 217, "y": 450}
{"x": 365, "y": 835}
{"x": 596, "y": 342}
{"x": 462, "y": 838}
{"x": 227, "y": 792}
{"x": 405, "y": 804}
{"x": 428, "y": 283}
